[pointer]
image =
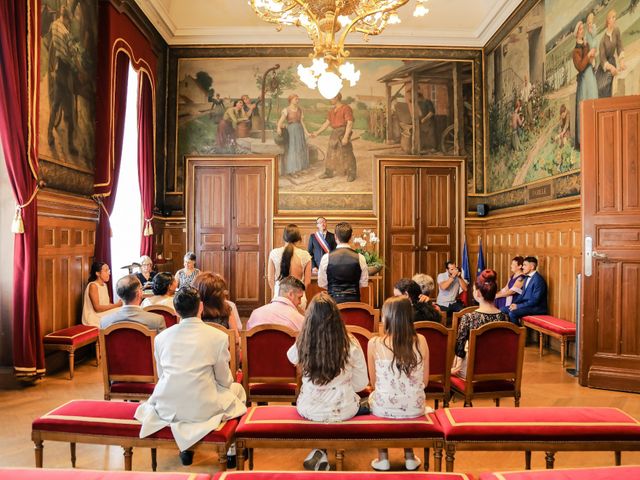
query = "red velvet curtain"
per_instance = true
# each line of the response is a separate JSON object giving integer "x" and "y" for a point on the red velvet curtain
{"x": 18, "y": 91}
{"x": 109, "y": 152}
{"x": 146, "y": 177}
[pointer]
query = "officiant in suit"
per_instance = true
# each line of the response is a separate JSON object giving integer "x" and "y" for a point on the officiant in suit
{"x": 533, "y": 300}
{"x": 320, "y": 242}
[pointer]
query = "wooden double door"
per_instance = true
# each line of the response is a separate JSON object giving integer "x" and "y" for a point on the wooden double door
{"x": 610, "y": 305}
{"x": 421, "y": 204}
{"x": 229, "y": 210}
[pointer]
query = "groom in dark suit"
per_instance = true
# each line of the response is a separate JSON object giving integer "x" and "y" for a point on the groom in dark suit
{"x": 320, "y": 242}
{"x": 533, "y": 300}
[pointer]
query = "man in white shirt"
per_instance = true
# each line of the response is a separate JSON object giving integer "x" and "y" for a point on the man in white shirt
{"x": 283, "y": 309}
{"x": 195, "y": 392}
{"x": 129, "y": 289}
{"x": 450, "y": 284}
{"x": 344, "y": 271}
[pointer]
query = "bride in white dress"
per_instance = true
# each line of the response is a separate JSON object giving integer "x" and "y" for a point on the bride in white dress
{"x": 289, "y": 260}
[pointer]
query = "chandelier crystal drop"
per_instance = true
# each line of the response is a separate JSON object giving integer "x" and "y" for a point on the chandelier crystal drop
{"x": 328, "y": 22}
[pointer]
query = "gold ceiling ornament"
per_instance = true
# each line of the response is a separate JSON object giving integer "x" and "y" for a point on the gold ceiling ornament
{"x": 328, "y": 22}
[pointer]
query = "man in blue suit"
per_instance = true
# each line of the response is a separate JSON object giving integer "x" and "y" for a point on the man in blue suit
{"x": 533, "y": 300}
{"x": 320, "y": 243}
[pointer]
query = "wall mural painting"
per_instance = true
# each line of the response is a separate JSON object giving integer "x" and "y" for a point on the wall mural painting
{"x": 68, "y": 46}
{"x": 562, "y": 52}
{"x": 326, "y": 148}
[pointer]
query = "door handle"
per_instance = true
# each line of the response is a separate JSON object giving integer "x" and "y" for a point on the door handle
{"x": 599, "y": 256}
{"x": 425, "y": 247}
{"x": 224, "y": 247}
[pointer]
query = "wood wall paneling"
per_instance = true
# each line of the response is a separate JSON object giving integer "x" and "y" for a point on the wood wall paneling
{"x": 66, "y": 241}
{"x": 552, "y": 234}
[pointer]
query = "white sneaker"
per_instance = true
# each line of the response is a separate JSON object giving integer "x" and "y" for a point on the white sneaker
{"x": 380, "y": 465}
{"x": 412, "y": 463}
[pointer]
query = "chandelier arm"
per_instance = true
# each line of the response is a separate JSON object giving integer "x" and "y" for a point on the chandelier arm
{"x": 360, "y": 17}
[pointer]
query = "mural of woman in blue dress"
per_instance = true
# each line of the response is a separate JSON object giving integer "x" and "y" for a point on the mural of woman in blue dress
{"x": 587, "y": 87}
{"x": 296, "y": 153}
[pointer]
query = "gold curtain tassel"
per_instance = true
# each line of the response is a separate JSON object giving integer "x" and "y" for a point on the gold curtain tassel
{"x": 17, "y": 225}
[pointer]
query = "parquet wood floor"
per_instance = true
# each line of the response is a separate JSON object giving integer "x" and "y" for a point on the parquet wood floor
{"x": 545, "y": 383}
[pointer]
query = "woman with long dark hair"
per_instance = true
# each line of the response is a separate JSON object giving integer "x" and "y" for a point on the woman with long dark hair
{"x": 289, "y": 260}
{"x": 399, "y": 372}
{"x": 333, "y": 369}
{"x": 96, "y": 296}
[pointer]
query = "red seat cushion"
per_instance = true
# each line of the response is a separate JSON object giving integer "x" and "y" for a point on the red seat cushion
{"x": 537, "y": 423}
{"x": 276, "y": 421}
{"x": 553, "y": 324}
{"x": 604, "y": 473}
{"x": 272, "y": 388}
{"x": 255, "y": 475}
{"x": 483, "y": 386}
{"x": 72, "y": 335}
{"x": 132, "y": 387}
{"x": 434, "y": 387}
{"x": 98, "y": 417}
{"x": 64, "y": 474}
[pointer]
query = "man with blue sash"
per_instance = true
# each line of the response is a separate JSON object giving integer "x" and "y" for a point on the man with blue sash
{"x": 320, "y": 242}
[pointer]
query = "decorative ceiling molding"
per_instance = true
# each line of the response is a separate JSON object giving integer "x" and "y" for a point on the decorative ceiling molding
{"x": 242, "y": 35}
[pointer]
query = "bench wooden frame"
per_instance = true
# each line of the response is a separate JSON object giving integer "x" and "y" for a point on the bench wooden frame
{"x": 564, "y": 338}
{"x": 127, "y": 444}
{"x": 71, "y": 350}
{"x": 340, "y": 445}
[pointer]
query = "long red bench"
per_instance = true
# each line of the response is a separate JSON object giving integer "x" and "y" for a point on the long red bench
{"x": 603, "y": 473}
{"x": 65, "y": 474}
{"x": 278, "y": 426}
{"x": 554, "y": 327}
{"x": 341, "y": 476}
{"x": 111, "y": 423}
{"x": 547, "y": 429}
{"x": 70, "y": 339}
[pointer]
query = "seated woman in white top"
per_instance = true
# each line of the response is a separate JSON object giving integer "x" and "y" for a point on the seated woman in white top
{"x": 96, "y": 296}
{"x": 399, "y": 371}
{"x": 164, "y": 287}
{"x": 333, "y": 370}
{"x": 289, "y": 260}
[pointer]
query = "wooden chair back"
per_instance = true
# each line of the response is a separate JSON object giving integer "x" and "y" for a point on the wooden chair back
{"x": 127, "y": 351}
{"x": 169, "y": 314}
{"x": 441, "y": 343}
{"x": 233, "y": 348}
{"x": 455, "y": 318}
{"x": 360, "y": 314}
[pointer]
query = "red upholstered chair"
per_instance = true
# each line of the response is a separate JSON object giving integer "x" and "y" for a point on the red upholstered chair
{"x": 267, "y": 373}
{"x": 169, "y": 314}
{"x": 129, "y": 366}
{"x": 233, "y": 350}
{"x": 441, "y": 343}
{"x": 363, "y": 336}
{"x": 360, "y": 314}
{"x": 494, "y": 363}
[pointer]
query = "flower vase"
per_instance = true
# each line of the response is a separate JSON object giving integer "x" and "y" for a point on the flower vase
{"x": 374, "y": 269}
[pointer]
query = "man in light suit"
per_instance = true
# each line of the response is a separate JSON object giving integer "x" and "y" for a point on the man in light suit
{"x": 320, "y": 242}
{"x": 533, "y": 300}
{"x": 195, "y": 392}
{"x": 129, "y": 289}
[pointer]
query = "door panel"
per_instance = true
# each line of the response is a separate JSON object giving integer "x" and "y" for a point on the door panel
{"x": 610, "y": 353}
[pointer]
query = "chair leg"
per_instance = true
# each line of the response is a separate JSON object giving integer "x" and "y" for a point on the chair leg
{"x": 497, "y": 401}
{"x": 450, "y": 456}
{"x": 563, "y": 346}
{"x": 550, "y": 459}
{"x": 128, "y": 454}
{"x": 339, "y": 460}
{"x": 222, "y": 457}
{"x": 435, "y": 404}
{"x": 527, "y": 460}
{"x": 71, "y": 361}
{"x": 72, "y": 450}
{"x": 426, "y": 455}
{"x": 618, "y": 455}
{"x": 154, "y": 459}
{"x": 437, "y": 458}
{"x": 39, "y": 450}
{"x": 250, "y": 453}
{"x": 541, "y": 341}
{"x": 97, "y": 353}
{"x": 516, "y": 400}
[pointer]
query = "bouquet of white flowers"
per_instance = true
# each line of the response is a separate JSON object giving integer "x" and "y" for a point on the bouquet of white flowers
{"x": 366, "y": 245}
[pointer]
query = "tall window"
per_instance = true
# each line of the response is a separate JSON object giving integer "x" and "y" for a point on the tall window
{"x": 126, "y": 219}
{"x": 7, "y": 211}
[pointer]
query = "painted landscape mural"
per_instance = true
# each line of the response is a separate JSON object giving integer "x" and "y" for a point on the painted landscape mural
{"x": 258, "y": 106}
{"x": 562, "y": 52}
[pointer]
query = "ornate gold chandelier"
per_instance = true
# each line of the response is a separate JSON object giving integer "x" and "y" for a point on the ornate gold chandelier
{"x": 328, "y": 22}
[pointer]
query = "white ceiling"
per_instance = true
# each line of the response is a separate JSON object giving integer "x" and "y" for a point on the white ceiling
{"x": 468, "y": 23}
